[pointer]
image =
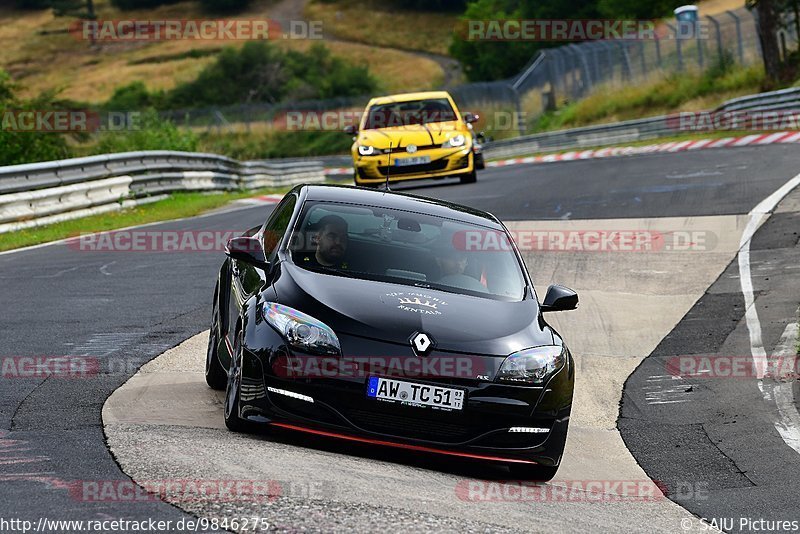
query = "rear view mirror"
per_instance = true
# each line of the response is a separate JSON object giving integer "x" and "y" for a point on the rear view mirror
{"x": 559, "y": 298}
{"x": 247, "y": 249}
{"x": 470, "y": 118}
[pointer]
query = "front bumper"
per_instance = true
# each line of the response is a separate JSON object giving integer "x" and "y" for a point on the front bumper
{"x": 443, "y": 163}
{"x": 339, "y": 407}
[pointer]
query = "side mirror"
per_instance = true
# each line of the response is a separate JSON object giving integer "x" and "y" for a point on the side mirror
{"x": 350, "y": 129}
{"x": 559, "y": 298}
{"x": 247, "y": 249}
{"x": 469, "y": 118}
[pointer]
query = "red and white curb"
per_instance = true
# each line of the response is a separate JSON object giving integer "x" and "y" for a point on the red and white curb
{"x": 675, "y": 146}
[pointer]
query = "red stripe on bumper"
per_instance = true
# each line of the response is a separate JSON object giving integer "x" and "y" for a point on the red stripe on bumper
{"x": 406, "y": 446}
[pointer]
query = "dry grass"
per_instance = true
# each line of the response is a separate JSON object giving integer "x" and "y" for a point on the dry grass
{"x": 61, "y": 61}
{"x": 374, "y": 22}
{"x": 715, "y": 7}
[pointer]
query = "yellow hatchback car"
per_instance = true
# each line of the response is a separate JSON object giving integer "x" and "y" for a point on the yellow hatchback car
{"x": 414, "y": 136}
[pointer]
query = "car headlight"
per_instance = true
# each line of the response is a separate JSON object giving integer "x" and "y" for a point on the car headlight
{"x": 532, "y": 366}
{"x": 455, "y": 142}
{"x": 368, "y": 150}
{"x": 302, "y": 331}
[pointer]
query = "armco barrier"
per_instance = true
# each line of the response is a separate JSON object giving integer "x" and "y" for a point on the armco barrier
{"x": 42, "y": 193}
{"x": 633, "y": 130}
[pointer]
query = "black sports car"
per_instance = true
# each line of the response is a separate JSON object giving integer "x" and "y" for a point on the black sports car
{"x": 391, "y": 319}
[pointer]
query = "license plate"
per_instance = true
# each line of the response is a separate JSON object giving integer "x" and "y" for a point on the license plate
{"x": 419, "y": 160}
{"x": 414, "y": 394}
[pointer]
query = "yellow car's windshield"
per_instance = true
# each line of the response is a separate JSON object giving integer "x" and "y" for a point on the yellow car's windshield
{"x": 414, "y": 112}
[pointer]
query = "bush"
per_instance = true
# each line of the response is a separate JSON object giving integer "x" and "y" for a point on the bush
{"x": 27, "y": 147}
{"x": 246, "y": 146}
{"x": 134, "y": 96}
{"x": 140, "y": 4}
{"x": 153, "y": 133}
{"x": 34, "y": 4}
{"x": 261, "y": 72}
{"x": 224, "y": 6}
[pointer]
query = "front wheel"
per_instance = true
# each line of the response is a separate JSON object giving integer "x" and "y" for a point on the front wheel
{"x": 216, "y": 377}
{"x": 539, "y": 473}
{"x": 470, "y": 178}
{"x": 233, "y": 420}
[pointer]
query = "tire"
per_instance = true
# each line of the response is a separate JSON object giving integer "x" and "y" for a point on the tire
{"x": 539, "y": 473}
{"x": 233, "y": 391}
{"x": 216, "y": 377}
{"x": 470, "y": 178}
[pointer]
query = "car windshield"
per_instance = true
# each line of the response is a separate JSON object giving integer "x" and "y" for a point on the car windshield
{"x": 409, "y": 248}
{"x": 414, "y": 112}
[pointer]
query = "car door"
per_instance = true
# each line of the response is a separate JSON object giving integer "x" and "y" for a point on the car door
{"x": 247, "y": 279}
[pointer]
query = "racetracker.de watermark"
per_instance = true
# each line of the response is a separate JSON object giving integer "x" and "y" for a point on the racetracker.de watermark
{"x": 134, "y": 30}
{"x": 68, "y": 121}
{"x": 706, "y": 121}
{"x": 300, "y": 120}
{"x": 563, "y": 491}
{"x": 575, "y": 30}
{"x": 733, "y": 367}
{"x": 448, "y": 366}
{"x": 195, "y": 490}
{"x": 588, "y": 240}
{"x": 49, "y": 366}
{"x": 153, "y": 241}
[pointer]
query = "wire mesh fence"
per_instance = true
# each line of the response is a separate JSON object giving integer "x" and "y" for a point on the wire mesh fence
{"x": 553, "y": 76}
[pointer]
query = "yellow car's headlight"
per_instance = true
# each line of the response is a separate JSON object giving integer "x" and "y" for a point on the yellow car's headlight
{"x": 368, "y": 150}
{"x": 455, "y": 141}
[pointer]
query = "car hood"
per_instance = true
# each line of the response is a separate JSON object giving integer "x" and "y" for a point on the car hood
{"x": 394, "y": 312}
{"x": 434, "y": 133}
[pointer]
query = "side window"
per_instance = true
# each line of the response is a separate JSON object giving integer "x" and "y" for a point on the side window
{"x": 277, "y": 225}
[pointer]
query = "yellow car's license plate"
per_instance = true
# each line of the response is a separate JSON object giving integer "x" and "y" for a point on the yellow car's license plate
{"x": 419, "y": 160}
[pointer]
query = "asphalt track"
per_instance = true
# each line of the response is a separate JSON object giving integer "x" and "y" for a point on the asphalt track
{"x": 127, "y": 308}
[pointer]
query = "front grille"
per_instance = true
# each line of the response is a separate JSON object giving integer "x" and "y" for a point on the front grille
{"x": 434, "y": 166}
{"x": 400, "y": 149}
{"x": 410, "y": 427}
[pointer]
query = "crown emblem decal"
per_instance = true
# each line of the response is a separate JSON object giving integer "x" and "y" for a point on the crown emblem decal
{"x": 417, "y": 302}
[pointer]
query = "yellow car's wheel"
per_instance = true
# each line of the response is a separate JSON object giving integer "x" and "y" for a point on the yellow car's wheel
{"x": 470, "y": 178}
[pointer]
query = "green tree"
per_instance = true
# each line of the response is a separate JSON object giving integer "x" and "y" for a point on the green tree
{"x": 26, "y": 147}
{"x": 224, "y": 6}
{"x": 768, "y": 25}
{"x": 82, "y": 9}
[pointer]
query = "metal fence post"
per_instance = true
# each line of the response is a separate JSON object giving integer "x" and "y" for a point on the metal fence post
{"x": 715, "y": 22}
{"x": 678, "y": 46}
{"x": 658, "y": 52}
{"x": 699, "y": 42}
{"x": 642, "y": 58}
{"x": 739, "y": 43}
{"x": 626, "y": 61}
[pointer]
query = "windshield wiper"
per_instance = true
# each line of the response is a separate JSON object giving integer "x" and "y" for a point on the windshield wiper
{"x": 332, "y": 270}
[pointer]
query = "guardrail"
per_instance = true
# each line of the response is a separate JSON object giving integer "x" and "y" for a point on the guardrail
{"x": 633, "y": 130}
{"x": 785, "y": 99}
{"x": 42, "y": 193}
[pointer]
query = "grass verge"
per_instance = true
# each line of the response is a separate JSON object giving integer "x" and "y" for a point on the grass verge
{"x": 177, "y": 206}
{"x": 660, "y": 95}
{"x": 379, "y": 24}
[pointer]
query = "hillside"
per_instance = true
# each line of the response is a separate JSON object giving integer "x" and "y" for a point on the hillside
{"x": 40, "y": 54}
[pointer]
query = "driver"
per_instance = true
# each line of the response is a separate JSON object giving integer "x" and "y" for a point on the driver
{"x": 330, "y": 241}
{"x": 452, "y": 264}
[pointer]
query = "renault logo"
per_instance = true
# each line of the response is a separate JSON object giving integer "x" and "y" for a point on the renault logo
{"x": 411, "y": 149}
{"x": 421, "y": 343}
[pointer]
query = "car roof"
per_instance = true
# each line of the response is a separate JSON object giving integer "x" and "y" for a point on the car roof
{"x": 400, "y": 201}
{"x": 408, "y": 97}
